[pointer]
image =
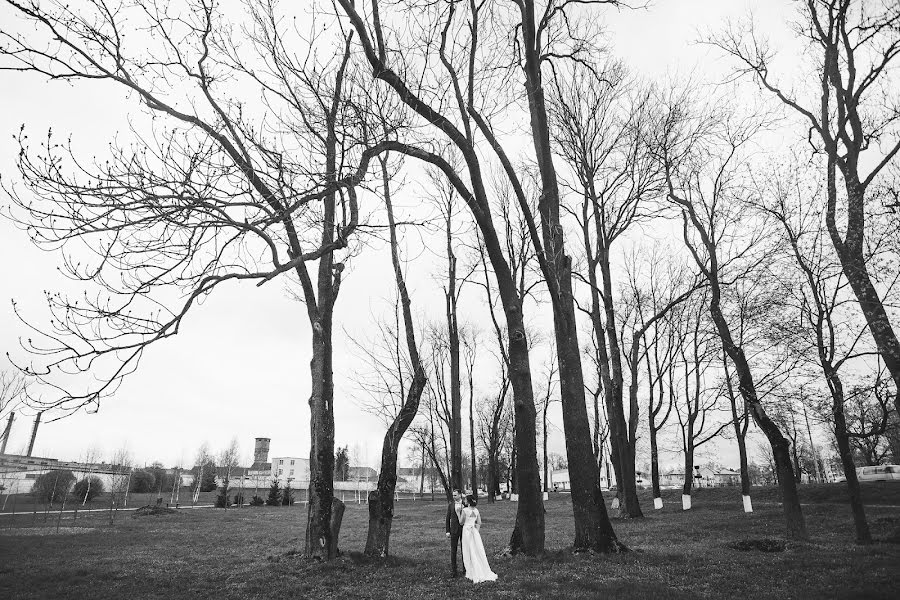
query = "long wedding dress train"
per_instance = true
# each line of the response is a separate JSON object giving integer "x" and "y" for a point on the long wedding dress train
{"x": 477, "y": 567}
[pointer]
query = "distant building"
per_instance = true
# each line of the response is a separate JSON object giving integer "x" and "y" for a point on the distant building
{"x": 559, "y": 480}
{"x": 727, "y": 477}
{"x": 18, "y": 473}
{"x": 259, "y": 475}
{"x": 707, "y": 478}
{"x": 294, "y": 468}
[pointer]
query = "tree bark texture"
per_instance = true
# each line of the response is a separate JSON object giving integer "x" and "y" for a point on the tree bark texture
{"x": 319, "y": 542}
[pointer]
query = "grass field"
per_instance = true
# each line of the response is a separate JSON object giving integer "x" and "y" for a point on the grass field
{"x": 254, "y": 553}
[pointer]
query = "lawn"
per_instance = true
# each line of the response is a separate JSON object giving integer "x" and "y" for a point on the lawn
{"x": 253, "y": 553}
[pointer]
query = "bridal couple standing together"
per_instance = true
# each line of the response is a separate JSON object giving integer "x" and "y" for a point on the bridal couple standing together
{"x": 463, "y": 524}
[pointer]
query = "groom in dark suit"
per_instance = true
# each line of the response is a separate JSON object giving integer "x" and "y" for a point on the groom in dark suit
{"x": 454, "y": 530}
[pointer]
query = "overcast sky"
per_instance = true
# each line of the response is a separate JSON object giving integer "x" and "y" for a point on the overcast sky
{"x": 240, "y": 366}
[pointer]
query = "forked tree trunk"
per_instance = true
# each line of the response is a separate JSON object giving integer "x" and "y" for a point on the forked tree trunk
{"x": 381, "y": 499}
{"x": 623, "y": 457}
{"x": 615, "y": 418}
{"x": 593, "y": 529}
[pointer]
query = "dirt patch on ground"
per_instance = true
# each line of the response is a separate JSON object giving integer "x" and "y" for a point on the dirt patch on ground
{"x": 761, "y": 545}
{"x": 46, "y": 530}
{"x": 155, "y": 511}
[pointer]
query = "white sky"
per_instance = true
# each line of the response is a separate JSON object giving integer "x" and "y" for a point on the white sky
{"x": 240, "y": 366}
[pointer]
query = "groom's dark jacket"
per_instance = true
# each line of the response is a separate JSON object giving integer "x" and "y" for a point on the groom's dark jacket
{"x": 453, "y": 526}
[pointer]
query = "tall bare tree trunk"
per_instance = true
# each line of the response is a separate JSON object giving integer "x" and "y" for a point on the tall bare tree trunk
{"x": 863, "y": 535}
{"x": 615, "y": 417}
{"x": 381, "y": 499}
{"x": 325, "y": 512}
{"x": 619, "y": 435}
{"x": 456, "y": 479}
{"x": 593, "y": 529}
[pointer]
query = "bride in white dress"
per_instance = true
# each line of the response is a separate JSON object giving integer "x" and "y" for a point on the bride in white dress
{"x": 477, "y": 567}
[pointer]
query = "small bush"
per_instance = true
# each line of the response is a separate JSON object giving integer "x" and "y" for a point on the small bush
{"x": 257, "y": 501}
{"x": 222, "y": 498}
{"x": 84, "y": 491}
{"x": 142, "y": 481}
{"x": 53, "y": 486}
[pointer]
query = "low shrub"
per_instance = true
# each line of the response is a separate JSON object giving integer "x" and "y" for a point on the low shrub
{"x": 83, "y": 491}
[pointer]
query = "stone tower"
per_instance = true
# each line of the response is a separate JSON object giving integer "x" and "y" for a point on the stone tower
{"x": 261, "y": 451}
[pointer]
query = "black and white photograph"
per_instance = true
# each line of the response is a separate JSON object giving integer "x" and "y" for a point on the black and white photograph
{"x": 401, "y": 299}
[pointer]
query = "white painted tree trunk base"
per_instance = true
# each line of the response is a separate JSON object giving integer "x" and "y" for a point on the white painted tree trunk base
{"x": 546, "y": 495}
{"x": 615, "y": 503}
{"x": 685, "y": 502}
{"x": 513, "y": 497}
{"x": 657, "y": 503}
{"x": 748, "y": 505}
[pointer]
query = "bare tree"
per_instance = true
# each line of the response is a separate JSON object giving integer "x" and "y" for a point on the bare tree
{"x": 447, "y": 202}
{"x": 850, "y": 110}
{"x": 697, "y": 406}
{"x": 208, "y": 197}
{"x": 703, "y": 157}
{"x": 546, "y": 398}
{"x": 381, "y": 500}
{"x": 598, "y": 117}
{"x": 460, "y": 29}
{"x": 650, "y": 310}
{"x": 450, "y": 111}
{"x": 121, "y": 465}
{"x": 202, "y": 465}
{"x": 228, "y": 460}
{"x": 814, "y": 288}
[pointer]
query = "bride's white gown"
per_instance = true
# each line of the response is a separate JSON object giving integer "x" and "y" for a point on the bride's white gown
{"x": 477, "y": 567}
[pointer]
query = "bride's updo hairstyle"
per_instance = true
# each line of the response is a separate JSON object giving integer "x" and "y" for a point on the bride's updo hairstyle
{"x": 471, "y": 500}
